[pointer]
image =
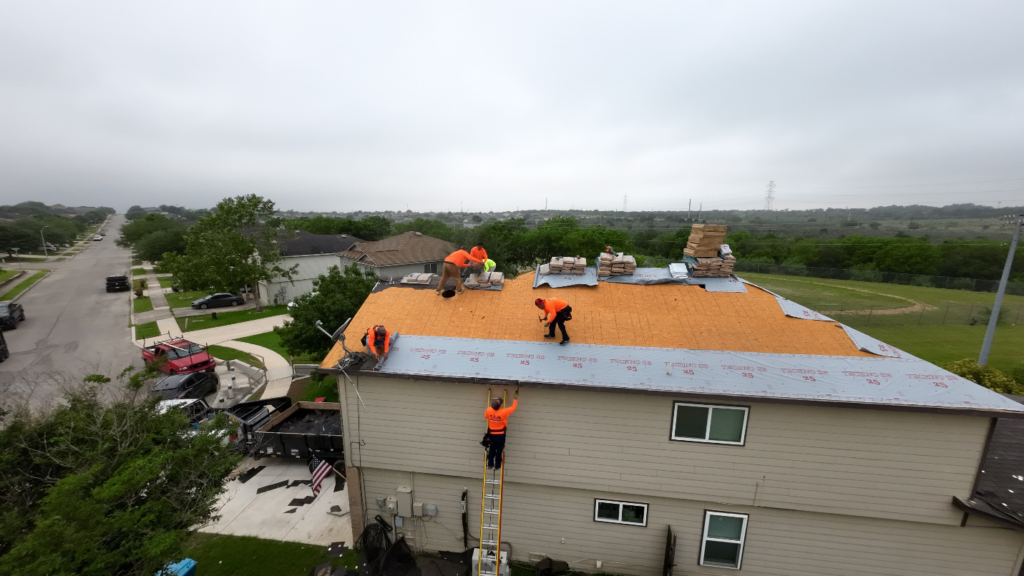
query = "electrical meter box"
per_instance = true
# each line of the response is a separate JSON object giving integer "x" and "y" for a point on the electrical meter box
{"x": 405, "y": 501}
{"x": 391, "y": 505}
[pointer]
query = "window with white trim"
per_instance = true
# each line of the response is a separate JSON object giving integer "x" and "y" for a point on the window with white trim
{"x": 430, "y": 268}
{"x": 616, "y": 512}
{"x": 722, "y": 543}
{"x": 709, "y": 423}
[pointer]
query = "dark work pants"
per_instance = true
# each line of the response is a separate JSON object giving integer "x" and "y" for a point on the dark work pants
{"x": 495, "y": 451}
{"x": 560, "y": 322}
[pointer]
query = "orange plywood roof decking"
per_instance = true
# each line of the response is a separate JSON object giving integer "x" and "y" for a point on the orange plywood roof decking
{"x": 660, "y": 315}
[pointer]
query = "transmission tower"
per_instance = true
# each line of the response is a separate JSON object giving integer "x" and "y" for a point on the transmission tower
{"x": 769, "y": 196}
{"x": 624, "y": 198}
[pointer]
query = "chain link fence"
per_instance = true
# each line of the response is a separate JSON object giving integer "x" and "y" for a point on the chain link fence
{"x": 919, "y": 314}
{"x": 971, "y": 284}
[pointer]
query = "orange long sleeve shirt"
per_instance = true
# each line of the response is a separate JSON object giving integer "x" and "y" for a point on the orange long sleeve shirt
{"x": 459, "y": 258}
{"x": 497, "y": 420}
{"x": 552, "y": 306}
{"x": 479, "y": 253}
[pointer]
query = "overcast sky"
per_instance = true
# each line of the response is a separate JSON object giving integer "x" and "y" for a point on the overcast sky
{"x": 503, "y": 105}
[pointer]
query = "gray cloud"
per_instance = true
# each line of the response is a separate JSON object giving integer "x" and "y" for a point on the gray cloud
{"x": 348, "y": 106}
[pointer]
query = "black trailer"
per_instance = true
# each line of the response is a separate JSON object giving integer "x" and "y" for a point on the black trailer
{"x": 304, "y": 429}
{"x": 251, "y": 416}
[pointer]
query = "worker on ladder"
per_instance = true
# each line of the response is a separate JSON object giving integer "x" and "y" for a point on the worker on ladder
{"x": 497, "y": 424}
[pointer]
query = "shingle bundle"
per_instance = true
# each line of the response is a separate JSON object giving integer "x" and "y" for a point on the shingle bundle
{"x": 705, "y": 240}
{"x": 717, "y": 267}
{"x": 615, "y": 264}
{"x": 567, "y": 265}
{"x": 418, "y": 278}
{"x": 485, "y": 279}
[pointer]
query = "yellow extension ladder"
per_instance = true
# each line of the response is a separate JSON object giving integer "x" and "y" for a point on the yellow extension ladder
{"x": 489, "y": 555}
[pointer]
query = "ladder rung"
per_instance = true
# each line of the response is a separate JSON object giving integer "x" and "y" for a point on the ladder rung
{"x": 489, "y": 542}
{"x": 490, "y": 526}
{"x": 493, "y": 481}
{"x": 492, "y": 511}
{"x": 493, "y": 497}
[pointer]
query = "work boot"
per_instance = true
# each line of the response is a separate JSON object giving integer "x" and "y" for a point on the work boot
{"x": 563, "y": 342}
{"x": 438, "y": 292}
{"x": 549, "y": 335}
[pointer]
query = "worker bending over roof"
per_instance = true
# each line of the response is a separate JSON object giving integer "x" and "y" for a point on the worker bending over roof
{"x": 489, "y": 265}
{"x": 378, "y": 342}
{"x": 497, "y": 424}
{"x": 556, "y": 312}
{"x": 458, "y": 259}
{"x": 479, "y": 252}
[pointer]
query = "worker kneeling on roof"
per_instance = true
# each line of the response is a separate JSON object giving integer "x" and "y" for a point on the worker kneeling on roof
{"x": 458, "y": 259}
{"x": 378, "y": 341}
{"x": 497, "y": 424}
{"x": 556, "y": 312}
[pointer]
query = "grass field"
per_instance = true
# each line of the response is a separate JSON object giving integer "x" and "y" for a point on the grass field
{"x": 219, "y": 555}
{"x": 184, "y": 299}
{"x": 166, "y": 281}
{"x": 147, "y": 330}
{"x": 7, "y": 274}
{"x": 269, "y": 340}
{"x": 305, "y": 390}
{"x": 140, "y": 305}
{"x": 23, "y": 285}
{"x": 225, "y": 353}
{"x": 138, "y": 271}
{"x": 931, "y": 323}
{"x": 190, "y": 323}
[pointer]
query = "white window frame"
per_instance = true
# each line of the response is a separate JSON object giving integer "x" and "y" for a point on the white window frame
{"x": 599, "y": 501}
{"x": 704, "y": 539}
{"x": 707, "y": 430}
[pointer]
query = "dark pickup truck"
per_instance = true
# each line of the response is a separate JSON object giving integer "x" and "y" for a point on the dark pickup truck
{"x": 301, "y": 430}
{"x": 118, "y": 283}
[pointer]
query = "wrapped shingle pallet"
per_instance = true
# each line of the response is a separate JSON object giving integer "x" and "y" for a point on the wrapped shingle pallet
{"x": 615, "y": 264}
{"x": 485, "y": 279}
{"x": 423, "y": 279}
{"x": 717, "y": 267}
{"x": 705, "y": 240}
{"x": 568, "y": 265}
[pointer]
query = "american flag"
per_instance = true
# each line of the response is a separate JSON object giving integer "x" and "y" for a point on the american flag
{"x": 319, "y": 469}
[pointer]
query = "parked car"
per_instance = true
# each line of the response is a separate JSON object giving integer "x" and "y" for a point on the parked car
{"x": 48, "y": 247}
{"x": 217, "y": 300}
{"x": 97, "y": 237}
{"x": 118, "y": 283}
{"x": 10, "y": 314}
{"x": 192, "y": 385}
{"x": 179, "y": 357}
{"x": 5, "y": 353}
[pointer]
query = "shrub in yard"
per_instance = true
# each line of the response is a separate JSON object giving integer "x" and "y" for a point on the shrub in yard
{"x": 986, "y": 376}
{"x": 1017, "y": 372}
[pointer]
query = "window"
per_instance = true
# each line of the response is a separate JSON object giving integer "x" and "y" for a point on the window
{"x": 430, "y": 268}
{"x": 722, "y": 544}
{"x": 709, "y": 423}
{"x": 620, "y": 512}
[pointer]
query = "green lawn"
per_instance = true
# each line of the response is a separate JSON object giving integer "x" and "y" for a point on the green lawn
{"x": 269, "y": 340}
{"x": 7, "y": 274}
{"x": 138, "y": 271}
{"x": 140, "y": 305}
{"x": 136, "y": 262}
{"x": 184, "y": 299}
{"x": 166, "y": 281}
{"x": 225, "y": 353}
{"x": 147, "y": 330}
{"x": 220, "y": 555}
{"x": 227, "y": 318}
{"x": 942, "y": 344}
{"x": 326, "y": 389}
{"x": 22, "y": 286}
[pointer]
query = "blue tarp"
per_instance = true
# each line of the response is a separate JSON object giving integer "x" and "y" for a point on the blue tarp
{"x": 588, "y": 278}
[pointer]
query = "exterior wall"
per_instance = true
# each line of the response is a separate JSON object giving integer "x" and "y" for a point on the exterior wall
{"x": 396, "y": 272}
{"x": 309, "y": 269}
{"x": 871, "y": 463}
{"x": 778, "y": 542}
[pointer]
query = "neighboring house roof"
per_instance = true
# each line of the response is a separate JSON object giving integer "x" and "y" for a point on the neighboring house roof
{"x": 666, "y": 339}
{"x": 303, "y": 243}
{"x": 999, "y": 494}
{"x": 406, "y": 248}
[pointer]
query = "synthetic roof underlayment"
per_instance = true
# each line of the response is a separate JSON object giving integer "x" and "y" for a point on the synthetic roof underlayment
{"x": 663, "y": 338}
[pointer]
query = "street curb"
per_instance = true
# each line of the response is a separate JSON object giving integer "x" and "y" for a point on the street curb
{"x": 11, "y": 279}
{"x": 26, "y": 290}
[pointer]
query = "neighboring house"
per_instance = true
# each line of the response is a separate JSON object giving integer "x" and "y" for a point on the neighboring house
{"x": 725, "y": 430}
{"x": 311, "y": 255}
{"x": 394, "y": 257}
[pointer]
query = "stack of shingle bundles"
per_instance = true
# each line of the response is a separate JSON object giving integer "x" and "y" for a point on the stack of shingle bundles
{"x": 423, "y": 279}
{"x": 615, "y": 264}
{"x": 545, "y": 268}
{"x": 485, "y": 279}
{"x": 604, "y": 264}
{"x": 718, "y": 267}
{"x": 705, "y": 240}
{"x": 568, "y": 265}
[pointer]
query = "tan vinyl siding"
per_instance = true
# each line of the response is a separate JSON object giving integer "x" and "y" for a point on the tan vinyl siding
{"x": 778, "y": 543}
{"x": 875, "y": 463}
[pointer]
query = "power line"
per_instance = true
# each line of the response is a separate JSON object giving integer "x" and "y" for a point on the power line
{"x": 906, "y": 185}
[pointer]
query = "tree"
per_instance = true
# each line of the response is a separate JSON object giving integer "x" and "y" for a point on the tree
{"x": 105, "y": 486}
{"x": 336, "y": 298}
{"x": 230, "y": 248}
{"x": 155, "y": 246}
{"x": 433, "y": 228}
{"x": 135, "y": 212}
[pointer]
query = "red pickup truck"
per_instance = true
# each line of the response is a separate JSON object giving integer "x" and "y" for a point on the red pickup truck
{"x": 179, "y": 357}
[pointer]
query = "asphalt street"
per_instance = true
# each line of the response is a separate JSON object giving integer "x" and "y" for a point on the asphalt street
{"x": 73, "y": 327}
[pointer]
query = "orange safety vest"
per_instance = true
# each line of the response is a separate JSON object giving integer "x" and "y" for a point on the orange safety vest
{"x": 552, "y": 306}
{"x": 497, "y": 420}
{"x": 371, "y": 338}
{"x": 459, "y": 258}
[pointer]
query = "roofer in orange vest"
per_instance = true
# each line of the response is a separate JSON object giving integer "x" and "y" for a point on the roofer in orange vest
{"x": 479, "y": 252}
{"x": 458, "y": 259}
{"x": 378, "y": 342}
{"x": 497, "y": 424}
{"x": 556, "y": 312}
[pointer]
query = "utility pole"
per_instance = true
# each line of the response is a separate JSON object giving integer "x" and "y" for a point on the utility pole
{"x": 849, "y": 213}
{"x": 624, "y": 198}
{"x": 689, "y": 207}
{"x": 700, "y": 211}
{"x": 43, "y": 238}
{"x": 994, "y": 319}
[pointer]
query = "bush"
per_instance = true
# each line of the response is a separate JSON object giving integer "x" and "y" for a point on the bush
{"x": 985, "y": 314}
{"x": 1017, "y": 372}
{"x": 986, "y": 376}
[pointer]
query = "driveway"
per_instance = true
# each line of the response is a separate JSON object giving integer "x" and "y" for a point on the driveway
{"x": 73, "y": 327}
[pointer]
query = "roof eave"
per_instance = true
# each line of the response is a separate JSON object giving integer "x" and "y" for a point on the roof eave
{"x": 971, "y": 507}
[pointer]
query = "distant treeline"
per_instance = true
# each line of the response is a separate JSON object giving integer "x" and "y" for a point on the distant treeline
{"x": 60, "y": 225}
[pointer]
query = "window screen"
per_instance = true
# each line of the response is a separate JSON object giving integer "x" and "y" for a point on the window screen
{"x": 722, "y": 543}
{"x": 709, "y": 423}
{"x": 620, "y": 512}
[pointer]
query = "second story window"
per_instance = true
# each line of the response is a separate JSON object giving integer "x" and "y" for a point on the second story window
{"x": 709, "y": 423}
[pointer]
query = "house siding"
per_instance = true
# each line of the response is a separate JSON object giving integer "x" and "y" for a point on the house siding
{"x": 392, "y": 272}
{"x": 858, "y": 462}
{"x": 308, "y": 269}
{"x": 779, "y": 542}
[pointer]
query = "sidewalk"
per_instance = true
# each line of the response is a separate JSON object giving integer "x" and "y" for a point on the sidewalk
{"x": 279, "y": 371}
{"x": 222, "y": 334}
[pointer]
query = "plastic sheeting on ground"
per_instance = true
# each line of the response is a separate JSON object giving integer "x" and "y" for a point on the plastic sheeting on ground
{"x": 588, "y": 278}
{"x": 907, "y": 381}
